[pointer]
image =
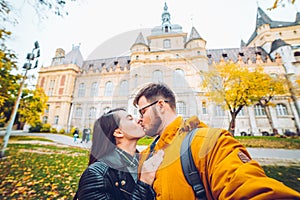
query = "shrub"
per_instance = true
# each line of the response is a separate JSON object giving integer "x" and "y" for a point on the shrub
{"x": 53, "y": 130}
{"x": 46, "y": 128}
{"x": 62, "y": 131}
{"x": 36, "y": 128}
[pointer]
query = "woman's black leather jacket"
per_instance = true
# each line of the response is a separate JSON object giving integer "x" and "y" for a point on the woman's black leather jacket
{"x": 110, "y": 178}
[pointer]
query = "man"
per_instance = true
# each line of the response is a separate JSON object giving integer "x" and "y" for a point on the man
{"x": 83, "y": 135}
{"x": 226, "y": 168}
{"x": 88, "y": 133}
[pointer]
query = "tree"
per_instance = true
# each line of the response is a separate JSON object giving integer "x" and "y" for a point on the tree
{"x": 32, "y": 106}
{"x": 234, "y": 87}
{"x": 56, "y": 7}
{"x": 9, "y": 83}
{"x": 281, "y": 2}
{"x": 270, "y": 87}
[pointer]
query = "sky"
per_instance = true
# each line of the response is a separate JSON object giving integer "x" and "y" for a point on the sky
{"x": 222, "y": 23}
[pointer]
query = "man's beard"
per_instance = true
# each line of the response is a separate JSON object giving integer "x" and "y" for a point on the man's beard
{"x": 155, "y": 125}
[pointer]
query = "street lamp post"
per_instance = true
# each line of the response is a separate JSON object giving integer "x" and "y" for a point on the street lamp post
{"x": 27, "y": 66}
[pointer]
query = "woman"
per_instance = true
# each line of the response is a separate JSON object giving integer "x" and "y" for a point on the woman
{"x": 112, "y": 170}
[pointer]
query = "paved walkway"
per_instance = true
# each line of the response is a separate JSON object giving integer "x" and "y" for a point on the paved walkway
{"x": 262, "y": 155}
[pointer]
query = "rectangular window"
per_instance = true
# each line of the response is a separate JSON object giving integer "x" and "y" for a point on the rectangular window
{"x": 51, "y": 88}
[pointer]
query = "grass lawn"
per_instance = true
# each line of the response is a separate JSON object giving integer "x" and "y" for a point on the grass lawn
{"x": 33, "y": 171}
{"x": 41, "y": 171}
{"x": 254, "y": 141}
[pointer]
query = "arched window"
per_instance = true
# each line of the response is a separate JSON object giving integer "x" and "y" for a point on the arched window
{"x": 81, "y": 90}
{"x": 220, "y": 111}
{"x": 166, "y": 29}
{"x": 108, "y": 92}
{"x": 242, "y": 112}
{"x": 157, "y": 76}
{"x": 281, "y": 110}
{"x": 297, "y": 53}
{"x": 94, "y": 90}
{"x": 47, "y": 108}
{"x": 204, "y": 108}
{"x": 124, "y": 88}
{"x": 45, "y": 120}
{"x": 178, "y": 78}
{"x": 51, "y": 88}
{"x": 181, "y": 108}
{"x": 106, "y": 109}
{"x": 135, "y": 81}
{"x": 78, "y": 112}
{"x": 92, "y": 112}
{"x": 259, "y": 110}
{"x": 56, "y": 118}
{"x": 274, "y": 75}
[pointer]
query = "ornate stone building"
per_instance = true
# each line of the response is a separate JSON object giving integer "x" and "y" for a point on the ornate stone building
{"x": 81, "y": 90}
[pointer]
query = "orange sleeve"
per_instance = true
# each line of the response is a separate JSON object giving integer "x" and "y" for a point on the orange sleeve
{"x": 228, "y": 172}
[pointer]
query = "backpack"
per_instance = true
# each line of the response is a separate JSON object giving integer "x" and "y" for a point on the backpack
{"x": 189, "y": 169}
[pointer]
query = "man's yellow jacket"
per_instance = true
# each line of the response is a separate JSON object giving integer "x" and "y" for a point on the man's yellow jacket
{"x": 226, "y": 168}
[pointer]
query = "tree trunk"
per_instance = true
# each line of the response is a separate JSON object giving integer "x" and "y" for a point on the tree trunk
{"x": 231, "y": 128}
{"x": 268, "y": 114}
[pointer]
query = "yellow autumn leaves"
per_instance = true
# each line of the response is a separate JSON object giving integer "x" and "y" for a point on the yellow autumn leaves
{"x": 25, "y": 175}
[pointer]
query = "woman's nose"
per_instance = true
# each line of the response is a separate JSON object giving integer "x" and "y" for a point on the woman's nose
{"x": 139, "y": 121}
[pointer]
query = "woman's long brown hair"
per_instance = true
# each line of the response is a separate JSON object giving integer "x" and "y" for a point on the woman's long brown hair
{"x": 103, "y": 140}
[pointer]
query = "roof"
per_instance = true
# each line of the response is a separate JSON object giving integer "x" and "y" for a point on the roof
{"x": 194, "y": 34}
{"x": 74, "y": 57}
{"x": 262, "y": 18}
{"x": 233, "y": 54}
{"x": 140, "y": 39}
{"x": 277, "y": 44}
{"x": 107, "y": 63}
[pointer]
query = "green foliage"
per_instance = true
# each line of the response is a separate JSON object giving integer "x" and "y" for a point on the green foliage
{"x": 269, "y": 142}
{"x": 28, "y": 138}
{"x": 50, "y": 172}
{"x": 234, "y": 87}
{"x": 62, "y": 131}
{"x": 36, "y": 128}
{"x": 53, "y": 130}
{"x": 145, "y": 140}
{"x": 46, "y": 128}
{"x": 289, "y": 175}
{"x": 40, "y": 172}
{"x": 9, "y": 83}
{"x": 32, "y": 106}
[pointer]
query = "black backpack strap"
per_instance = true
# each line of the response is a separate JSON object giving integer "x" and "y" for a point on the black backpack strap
{"x": 189, "y": 169}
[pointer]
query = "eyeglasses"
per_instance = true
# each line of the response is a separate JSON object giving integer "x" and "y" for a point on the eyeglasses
{"x": 142, "y": 110}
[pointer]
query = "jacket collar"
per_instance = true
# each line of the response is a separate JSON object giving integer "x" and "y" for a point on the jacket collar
{"x": 118, "y": 160}
{"x": 178, "y": 126}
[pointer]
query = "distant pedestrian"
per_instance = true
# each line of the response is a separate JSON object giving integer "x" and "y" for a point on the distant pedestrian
{"x": 76, "y": 135}
{"x": 83, "y": 135}
{"x": 88, "y": 133}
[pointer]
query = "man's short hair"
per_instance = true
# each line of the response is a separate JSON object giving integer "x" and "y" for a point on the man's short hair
{"x": 156, "y": 91}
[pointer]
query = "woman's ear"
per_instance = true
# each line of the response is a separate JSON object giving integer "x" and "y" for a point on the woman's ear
{"x": 118, "y": 133}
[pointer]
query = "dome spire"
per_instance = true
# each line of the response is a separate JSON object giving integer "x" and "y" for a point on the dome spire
{"x": 166, "y": 19}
